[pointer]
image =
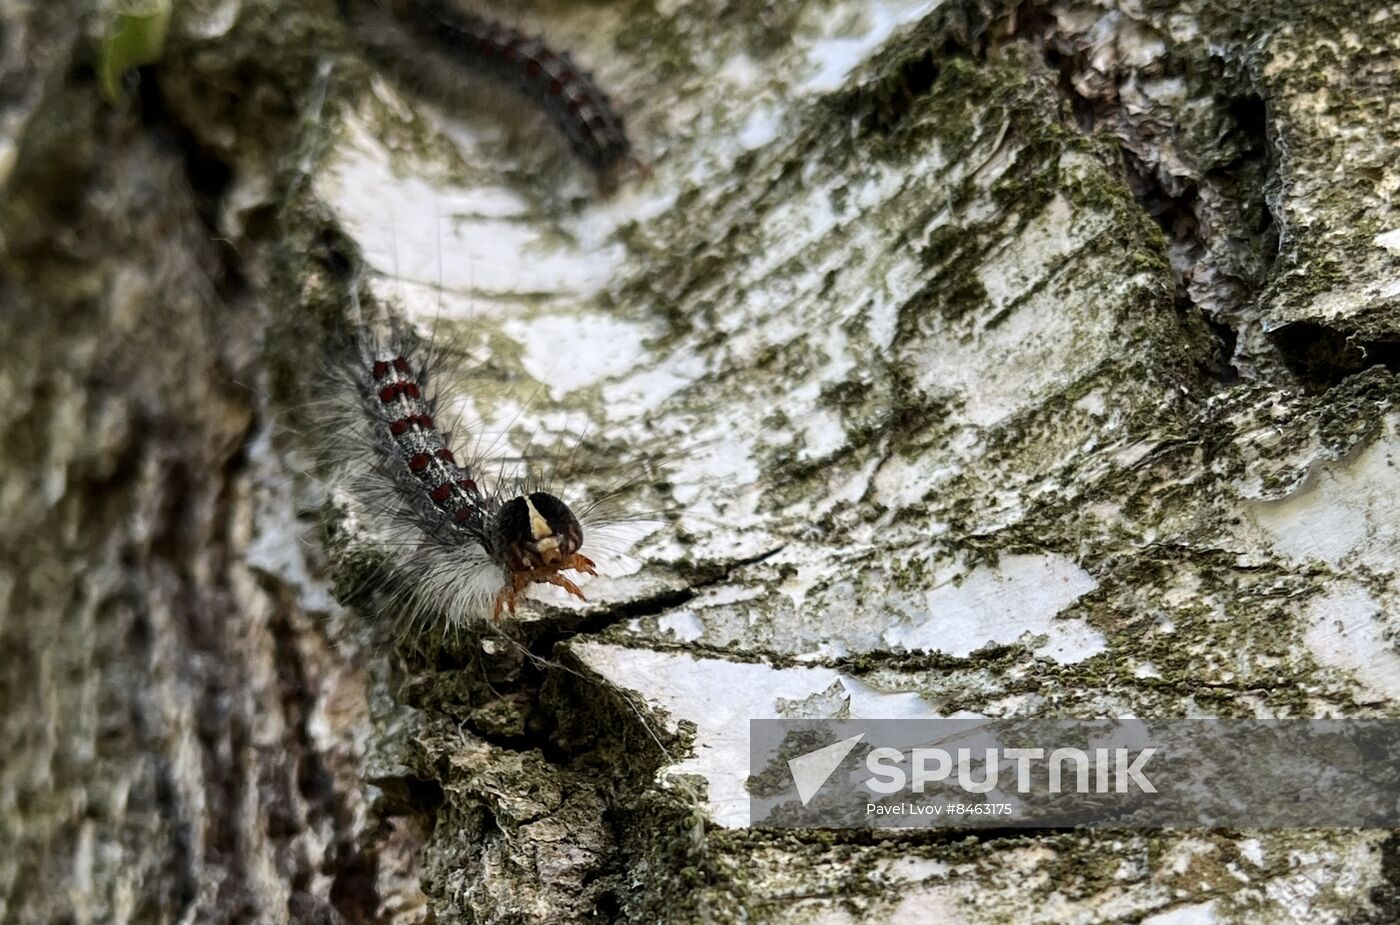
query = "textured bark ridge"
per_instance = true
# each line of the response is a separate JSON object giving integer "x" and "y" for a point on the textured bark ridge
{"x": 1002, "y": 358}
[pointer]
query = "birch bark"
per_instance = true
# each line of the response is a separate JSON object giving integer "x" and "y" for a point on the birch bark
{"x": 997, "y": 358}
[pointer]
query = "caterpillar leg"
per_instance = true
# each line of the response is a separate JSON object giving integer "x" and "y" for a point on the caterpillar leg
{"x": 505, "y": 599}
{"x": 562, "y": 582}
{"x": 580, "y": 563}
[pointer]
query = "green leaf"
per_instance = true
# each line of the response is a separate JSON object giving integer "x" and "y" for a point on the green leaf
{"x": 136, "y": 37}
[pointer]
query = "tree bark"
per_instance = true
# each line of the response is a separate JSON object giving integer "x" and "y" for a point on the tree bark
{"x": 1007, "y": 358}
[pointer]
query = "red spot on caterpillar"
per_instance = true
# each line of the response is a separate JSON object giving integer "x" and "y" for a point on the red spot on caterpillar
{"x": 419, "y": 461}
{"x": 442, "y": 492}
{"x": 400, "y": 427}
{"x": 462, "y": 514}
{"x": 401, "y": 364}
{"x": 445, "y": 455}
{"x": 410, "y": 389}
{"x": 467, "y": 485}
{"x": 389, "y": 393}
{"x": 380, "y": 369}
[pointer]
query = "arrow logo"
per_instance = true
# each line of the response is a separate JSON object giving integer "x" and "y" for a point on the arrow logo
{"x": 811, "y": 770}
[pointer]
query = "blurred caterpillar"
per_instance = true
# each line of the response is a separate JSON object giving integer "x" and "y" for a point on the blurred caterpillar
{"x": 442, "y": 37}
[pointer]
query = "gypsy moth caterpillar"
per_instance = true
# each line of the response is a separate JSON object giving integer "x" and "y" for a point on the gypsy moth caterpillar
{"x": 461, "y": 546}
{"x": 435, "y": 45}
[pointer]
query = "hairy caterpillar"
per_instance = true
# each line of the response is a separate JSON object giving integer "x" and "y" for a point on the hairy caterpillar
{"x": 466, "y": 550}
{"x": 443, "y": 37}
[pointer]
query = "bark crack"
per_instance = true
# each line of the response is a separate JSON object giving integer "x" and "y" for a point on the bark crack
{"x": 1200, "y": 168}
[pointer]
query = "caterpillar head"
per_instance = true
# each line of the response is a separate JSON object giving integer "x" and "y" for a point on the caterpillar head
{"x": 535, "y": 532}
{"x": 534, "y": 538}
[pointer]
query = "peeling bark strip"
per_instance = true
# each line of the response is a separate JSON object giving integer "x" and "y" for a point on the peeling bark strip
{"x": 571, "y": 98}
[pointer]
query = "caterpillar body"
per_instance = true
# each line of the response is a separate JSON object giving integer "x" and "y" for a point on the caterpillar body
{"x": 566, "y": 93}
{"x": 470, "y": 550}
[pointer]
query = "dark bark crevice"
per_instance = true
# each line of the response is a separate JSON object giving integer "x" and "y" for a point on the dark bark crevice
{"x": 1322, "y": 356}
{"x": 1221, "y": 235}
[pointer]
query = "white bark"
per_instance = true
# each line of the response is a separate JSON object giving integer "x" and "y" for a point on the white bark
{"x": 940, "y": 419}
